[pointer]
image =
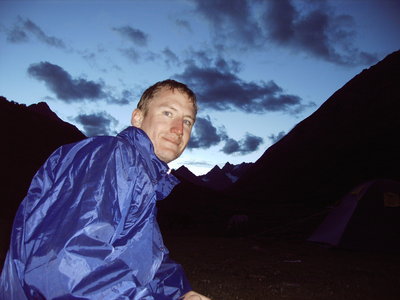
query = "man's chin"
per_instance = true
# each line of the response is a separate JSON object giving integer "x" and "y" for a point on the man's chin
{"x": 167, "y": 157}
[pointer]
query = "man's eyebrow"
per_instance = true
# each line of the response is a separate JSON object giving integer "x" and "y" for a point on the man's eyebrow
{"x": 190, "y": 116}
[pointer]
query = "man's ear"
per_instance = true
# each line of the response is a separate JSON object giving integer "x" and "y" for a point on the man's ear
{"x": 137, "y": 118}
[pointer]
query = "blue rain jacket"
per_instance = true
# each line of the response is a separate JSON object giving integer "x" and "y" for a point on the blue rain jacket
{"x": 87, "y": 228}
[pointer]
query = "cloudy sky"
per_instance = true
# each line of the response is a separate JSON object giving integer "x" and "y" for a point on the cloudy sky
{"x": 258, "y": 66}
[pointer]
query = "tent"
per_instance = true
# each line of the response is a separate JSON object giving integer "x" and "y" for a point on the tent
{"x": 368, "y": 218}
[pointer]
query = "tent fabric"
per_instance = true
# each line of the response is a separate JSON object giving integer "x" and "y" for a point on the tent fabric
{"x": 87, "y": 228}
{"x": 367, "y": 218}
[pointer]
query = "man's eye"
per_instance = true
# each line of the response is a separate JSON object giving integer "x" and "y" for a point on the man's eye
{"x": 167, "y": 113}
{"x": 188, "y": 123}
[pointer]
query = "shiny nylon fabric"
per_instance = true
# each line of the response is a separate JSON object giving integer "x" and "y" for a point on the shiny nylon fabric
{"x": 87, "y": 227}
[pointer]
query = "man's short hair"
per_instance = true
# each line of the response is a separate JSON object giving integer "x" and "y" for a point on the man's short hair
{"x": 171, "y": 84}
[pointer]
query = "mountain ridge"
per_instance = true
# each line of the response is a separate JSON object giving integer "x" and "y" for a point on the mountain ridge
{"x": 30, "y": 134}
{"x": 351, "y": 138}
{"x": 217, "y": 178}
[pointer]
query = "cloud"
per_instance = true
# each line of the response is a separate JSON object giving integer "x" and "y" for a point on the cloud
{"x": 276, "y": 137}
{"x": 23, "y": 29}
{"x": 100, "y": 123}
{"x": 311, "y": 27}
{"x": 197, "y": 163}
{"x": 136, "y": 36}
{"x": 137, "y": 56}
{"x": 248, "y": 144}
{"x": 232, "y": 18}
{"x": 63, "y": 85}
{"x": 231, "y": 146}
{"x": 219, "y": 88}
{"x": 206, "y": 135}
{"x": 170, "y": 57}
{"x": 316, "y": 30}
{"x": 184, "y": 24}
{"x": 92, "y": 59}
{"x": 200, "y": 56}
{"x": 17, "y": 35}
{"x": 71, "y": 89}
{"x": 126, "y": 98}
{"x": 132, "y": 54}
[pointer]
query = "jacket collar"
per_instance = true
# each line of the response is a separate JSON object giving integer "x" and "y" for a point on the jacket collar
{"x": 157, "y": 169}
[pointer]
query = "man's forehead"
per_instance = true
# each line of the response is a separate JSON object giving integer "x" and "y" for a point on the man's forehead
{"x": 167, "y": 99}
{"x": 166, "y": 90}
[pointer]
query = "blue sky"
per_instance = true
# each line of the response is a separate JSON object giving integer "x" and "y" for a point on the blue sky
{"x": 258, "y": 67}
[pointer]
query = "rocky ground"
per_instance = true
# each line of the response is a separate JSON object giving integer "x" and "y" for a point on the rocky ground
{"x": 278, "y": 264}
{"x": 283, "y": 268}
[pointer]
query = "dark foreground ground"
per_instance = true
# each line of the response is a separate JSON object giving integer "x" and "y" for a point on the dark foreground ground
{"x": 278, "y": 265}
{"x": 275, "y": 268}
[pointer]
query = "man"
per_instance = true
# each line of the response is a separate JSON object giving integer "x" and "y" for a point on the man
{"x": 87, "y": 228}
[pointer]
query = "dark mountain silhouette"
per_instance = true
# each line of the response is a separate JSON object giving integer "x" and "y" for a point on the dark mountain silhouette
{"x": 30, "y": 134}
{"x": 199, "y": 203}
{"x": 217, "y": 178}
{"x": 184, "y": 174}
{"x": 221, "y": 179}
{"x": 43, "y": 109}
{"x": 234, "y": 172}
{"x": 353, "y": 137}
{"x": 194, "y": 206}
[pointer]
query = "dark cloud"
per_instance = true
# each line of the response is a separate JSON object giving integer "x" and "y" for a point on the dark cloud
{"x": 315, "y": 29}
{"x": 312, "y": 27}
{"x": 69, "y": 89}
{"x": 248, "y": 144}
{"x": 231, "y": 146}
{"x": 276, "y": 137}
{"x": 100, "y": 123}
{"x": 184, "y": 24}
{"x": 126, "y": 98}
{"x": 137, "y": 56}
{"x": 205, "y": 135}
{"x": 132, "y": 54}
{"x": 170, "y": 57}
{"x": 232, "y": 18}
{"x": 136, "y": 36}
{"x": 17, "y": 35}
{"x": 92, "y": 59}
{"x": 63, "y": 85}
{"x": 23, "y": 29}
{"x": 219, "y": 88}
{"x": 203, "y": 57}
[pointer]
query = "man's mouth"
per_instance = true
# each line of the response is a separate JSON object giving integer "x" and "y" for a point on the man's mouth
{"x": 174, "y": 141}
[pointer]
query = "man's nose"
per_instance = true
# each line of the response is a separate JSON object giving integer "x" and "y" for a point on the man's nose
{"x": 177, "y": 126}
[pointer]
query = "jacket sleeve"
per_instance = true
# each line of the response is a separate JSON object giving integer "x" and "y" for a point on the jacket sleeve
{"x": 169, "y": 276}
{"x": 82, "y": 234}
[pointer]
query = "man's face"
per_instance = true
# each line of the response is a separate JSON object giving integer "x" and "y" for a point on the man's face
{"x": 168, "y": 123}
